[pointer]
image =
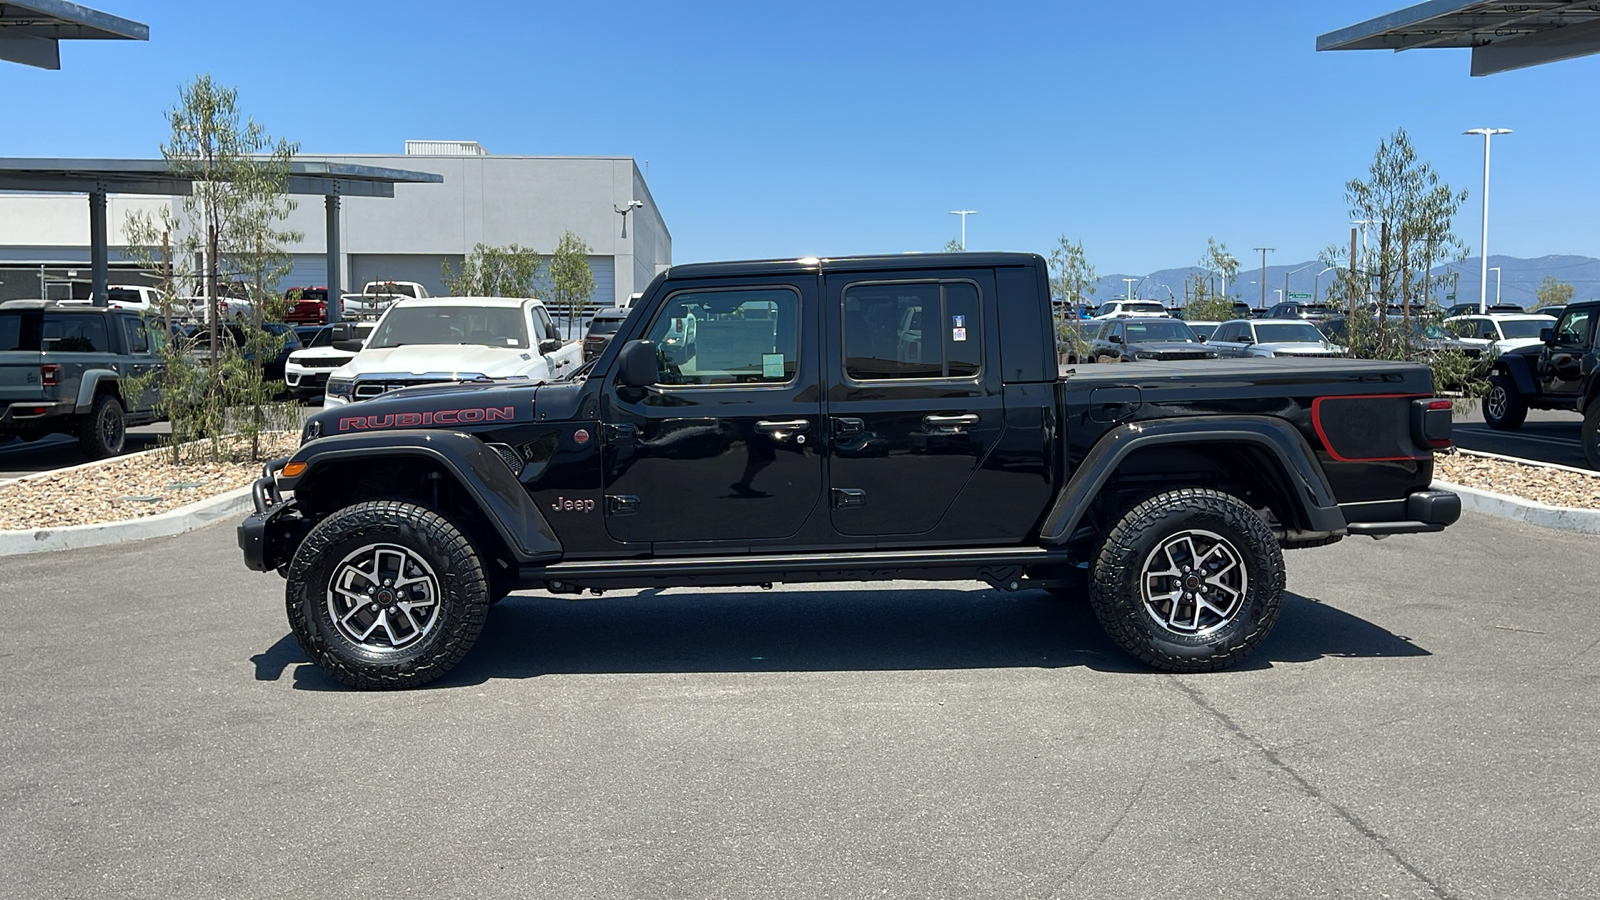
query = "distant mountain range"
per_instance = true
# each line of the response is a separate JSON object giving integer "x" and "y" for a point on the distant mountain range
{"x": 1519, "y": 279}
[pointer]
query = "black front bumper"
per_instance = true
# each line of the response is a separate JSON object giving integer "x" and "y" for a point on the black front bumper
{"x": 268, "y": 537}
{"x": 1425, "y": 511}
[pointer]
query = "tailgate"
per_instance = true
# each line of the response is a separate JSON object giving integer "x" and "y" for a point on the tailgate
{"x": 19, "y": 377}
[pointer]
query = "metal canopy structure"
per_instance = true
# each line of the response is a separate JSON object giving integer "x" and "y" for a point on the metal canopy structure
{"x": 31, "y": 31}
{"x": 99, "y": 177}
{"x": 1502, "y": 35}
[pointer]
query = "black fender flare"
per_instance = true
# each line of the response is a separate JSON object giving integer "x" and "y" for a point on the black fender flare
{"x": 1516, "y": 366}
{"x": 478, "y": 469}
{"x": 1313, "y": 495}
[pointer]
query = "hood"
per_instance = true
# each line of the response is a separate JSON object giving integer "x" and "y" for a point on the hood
{"x": 1512, "y": 344}
{"x": 1169, "y": 347}
{"x": 424, "y": 359}
{"x": 321, "y": 353}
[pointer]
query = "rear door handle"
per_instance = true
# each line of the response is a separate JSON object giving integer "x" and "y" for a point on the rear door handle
{"x": 967, "y": 420}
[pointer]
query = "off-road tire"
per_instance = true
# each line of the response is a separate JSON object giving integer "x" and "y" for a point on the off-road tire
{"x": 1591, "y": 434}
{"x": 1119, "y": 588}
{"x": 1504, "y": 409}
{"x": 415, "y": 535}
{"x": 103, "y": 432}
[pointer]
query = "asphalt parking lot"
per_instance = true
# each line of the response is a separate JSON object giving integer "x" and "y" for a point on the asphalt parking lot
{"x": 1423, "y": 723}
{"x": 58, "y": 451}
{"x": 1550, "y": 436}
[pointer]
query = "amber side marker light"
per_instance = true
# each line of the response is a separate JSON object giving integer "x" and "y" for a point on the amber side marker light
{"x": 293, "y": 470}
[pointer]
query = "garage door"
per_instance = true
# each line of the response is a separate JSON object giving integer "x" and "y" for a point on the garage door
{"x": 423, "y": 268}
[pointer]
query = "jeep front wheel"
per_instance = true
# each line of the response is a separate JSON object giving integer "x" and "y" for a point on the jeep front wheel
{"x": 1189, "y": 581}
{"x": 1591, "y": 433}
{"x": 386, "y": 594}
{"x": 1503, "y": 408}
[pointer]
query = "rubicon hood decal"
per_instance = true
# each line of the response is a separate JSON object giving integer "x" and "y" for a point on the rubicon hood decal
{"x": 430, "y": 418}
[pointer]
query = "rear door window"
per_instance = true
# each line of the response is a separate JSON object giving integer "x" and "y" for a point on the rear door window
{"x": 14, "y": 332}
{"x": 912, "y": 330}
{"x": 133, "y": 330}
{"x": 65, "y": 333}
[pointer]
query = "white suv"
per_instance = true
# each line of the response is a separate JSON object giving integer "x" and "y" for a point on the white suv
{"x": 1122, "y": 309}
{"x": 440, "y": 339}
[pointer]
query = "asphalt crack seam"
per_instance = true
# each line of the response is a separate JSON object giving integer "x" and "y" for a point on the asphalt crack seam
{"x": 1311, "y": 791}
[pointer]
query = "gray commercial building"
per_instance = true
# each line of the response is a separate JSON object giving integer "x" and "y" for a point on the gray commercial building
{"x": 485, "y": 199}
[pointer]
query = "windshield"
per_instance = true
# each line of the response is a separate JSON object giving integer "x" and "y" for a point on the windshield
{"x": 1288, "y": 333}
{"x": 1202, "y": 329}
{"x": 491, "y": 326}
{"x": 1523, "y": 328}
{"x": 1158, "y": 330}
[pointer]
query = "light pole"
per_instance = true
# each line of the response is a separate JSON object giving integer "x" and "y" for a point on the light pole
{"x": 1129, "y": 282}
{"x": 1496, "y": 271}
{"x": 1316, "y": 284}
{"x": 1483, "y": 249}
{"x": 963, "y": 213}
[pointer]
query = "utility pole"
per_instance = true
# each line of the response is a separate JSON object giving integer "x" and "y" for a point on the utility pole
{"x": 963, "y": 213}
{"x": 1352, "y": 313}
{"x": 1264, "y": 252}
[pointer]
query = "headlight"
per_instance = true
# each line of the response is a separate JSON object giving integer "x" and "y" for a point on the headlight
{"x": 1146, "y": 356}
{"x": 340, "y": 387}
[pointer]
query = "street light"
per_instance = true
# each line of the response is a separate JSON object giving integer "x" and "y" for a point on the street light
{"x": 1316, "y": 284}
{"x": 1483, "y": 250}
{"x": 1496, "y": 271}
{"x": 963, "y": 213}
{"x": 1129, "y": 282}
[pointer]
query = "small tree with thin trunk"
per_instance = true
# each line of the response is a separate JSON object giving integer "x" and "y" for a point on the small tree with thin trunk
{"x": 1552, "y": 292}
{"x": 569, "y": 280}
{"x": 508, "y": 271}
{"x": 1072, "y": 279}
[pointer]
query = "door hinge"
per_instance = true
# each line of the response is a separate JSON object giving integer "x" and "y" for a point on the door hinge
{"x": 622, "y": 504}
{"x": 844, "y": 498}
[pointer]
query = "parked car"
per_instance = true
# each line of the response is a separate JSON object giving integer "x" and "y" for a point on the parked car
{"x": 1427, "y": 337}
{"x": 1140, "y": 338}
{"x": 1553, "y": 310}
{"x": 306, "y": 371}
{"x": 601, "y": 328}
{"x": 1463, "y": 309}
{"x": 1496, "y": 333}
{"x": 1202, "y": 328}
{"x": 232, "y": 335}
{"x": 1163, "y": 494}
{"x": 1560, "y": 371}
{"x": 62, "y": 368}
{"x": 1119, "y": 308}
{"x": 310, "y": 305}
{"x": 1300, "y": 309}
{"x": 441, "y": 339}
{"x": 1272, "y": 337}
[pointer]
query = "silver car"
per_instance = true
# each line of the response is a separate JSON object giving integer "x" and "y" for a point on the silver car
{"x": 1281, "y": 338}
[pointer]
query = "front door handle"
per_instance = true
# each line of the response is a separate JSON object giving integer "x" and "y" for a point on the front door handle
{"x": 783, "y": 429}
{"x": 968, "y": 420}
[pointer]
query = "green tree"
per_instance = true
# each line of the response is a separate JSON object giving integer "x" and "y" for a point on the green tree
{"x": 570, "y": 281}
{"x": 1207, "y": 300}
{"x": 230, "y": 223}
{"x": 1072, "y": 281}
{"x": 1552, "y": 292}
{"x": 487, "y": 271}
{"x": 953, "y": 246}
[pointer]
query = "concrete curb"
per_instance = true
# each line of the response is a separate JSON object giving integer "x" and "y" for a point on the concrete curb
{"x": 177, "y": 521}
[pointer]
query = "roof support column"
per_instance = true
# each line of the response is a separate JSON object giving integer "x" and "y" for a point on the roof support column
{"x": 98, "y": 250}
{"x": 335, "y": 303}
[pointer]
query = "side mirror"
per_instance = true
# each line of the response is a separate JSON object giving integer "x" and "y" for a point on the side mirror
{"x": 1114, "y": 338}
{"x": 550, "y": 345}
{"x": 1489, "y": 336}
{"x": 343, "y": 331}
{"x": 1201, "y": 338}
{"x": 637, "y": 364}
{"x": 1548, "y": 335}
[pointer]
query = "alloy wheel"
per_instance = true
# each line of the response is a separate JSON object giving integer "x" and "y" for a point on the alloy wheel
{"x": 1194, "y": 582}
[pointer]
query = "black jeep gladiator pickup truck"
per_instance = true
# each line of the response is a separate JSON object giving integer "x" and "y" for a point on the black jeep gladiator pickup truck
{"x": 851, "y": 419}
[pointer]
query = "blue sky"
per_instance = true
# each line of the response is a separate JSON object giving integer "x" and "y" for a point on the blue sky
{"x": 836, "y": 128}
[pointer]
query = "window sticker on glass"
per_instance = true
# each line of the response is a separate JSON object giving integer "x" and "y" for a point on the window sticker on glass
{"x": 772, "y": 365}
{"x": 958, "y": 322}
{"x": 958, "y": 334}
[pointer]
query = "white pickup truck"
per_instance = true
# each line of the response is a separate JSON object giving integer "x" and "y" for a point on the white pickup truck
{"x": 376, "y": 296}
{"x": 438, "y": 339}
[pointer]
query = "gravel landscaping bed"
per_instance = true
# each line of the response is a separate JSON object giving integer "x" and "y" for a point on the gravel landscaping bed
{"x": 132, "y": 487}
{"x": 1544, "y": 484}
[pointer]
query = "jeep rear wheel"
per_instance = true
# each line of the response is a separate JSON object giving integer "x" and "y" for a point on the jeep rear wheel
{"x": 1189, "y": 581}
{"x": 102, "y": 433}
{"x": 386, "y": 594}
{"x": 1503, "y": 408}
